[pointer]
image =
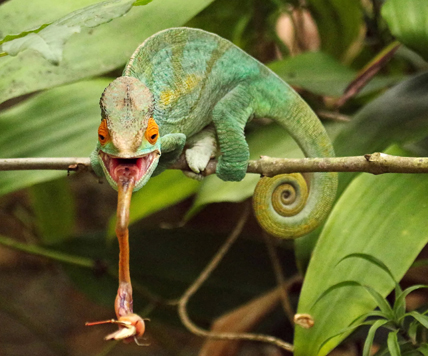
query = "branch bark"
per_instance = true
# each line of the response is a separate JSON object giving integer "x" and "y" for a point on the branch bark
{"x": 45, "y": 163}
{"x": 376, "y": 163}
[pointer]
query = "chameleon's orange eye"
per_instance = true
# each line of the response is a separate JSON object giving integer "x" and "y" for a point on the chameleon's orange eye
{"x": 103, "y": 134}
{"x": 152, "y": 131}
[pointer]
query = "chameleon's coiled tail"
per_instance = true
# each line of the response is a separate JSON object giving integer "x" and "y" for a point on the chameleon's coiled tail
{"x": 280, "y": 201}
{"x": 292, "y": 205}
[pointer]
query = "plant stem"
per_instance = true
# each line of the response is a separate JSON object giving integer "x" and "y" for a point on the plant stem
{"x": 44, "y": 252}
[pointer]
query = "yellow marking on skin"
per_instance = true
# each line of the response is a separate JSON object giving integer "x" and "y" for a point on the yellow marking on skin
{"x": 168, "y": 97}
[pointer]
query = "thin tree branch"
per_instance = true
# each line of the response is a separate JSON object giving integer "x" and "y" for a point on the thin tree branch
{"x": 63, "y": 163}
{"x": 182, "y": 304}
{"x": 376, "y": 163}
{"x": 279, "y": 275}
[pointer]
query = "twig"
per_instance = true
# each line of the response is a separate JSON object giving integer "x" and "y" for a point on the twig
{"x": 35, "y": 163}
{"x": 368, "y": 73}
{"x": 182, "y": 310}
{"x": 279, "y": 275}
{"x": 376, "y": 163}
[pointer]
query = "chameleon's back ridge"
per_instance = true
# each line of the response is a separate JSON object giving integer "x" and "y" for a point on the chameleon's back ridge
{"x": 204, "y": 91}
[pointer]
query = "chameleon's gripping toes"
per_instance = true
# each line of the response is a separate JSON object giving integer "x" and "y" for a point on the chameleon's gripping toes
{"x": 186, "y": 87}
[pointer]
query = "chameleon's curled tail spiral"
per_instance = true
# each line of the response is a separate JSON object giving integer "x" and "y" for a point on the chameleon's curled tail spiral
{"x": 281, "y": 206}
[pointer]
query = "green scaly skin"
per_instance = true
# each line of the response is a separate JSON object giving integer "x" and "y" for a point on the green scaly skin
{"x": 188, "y": 80}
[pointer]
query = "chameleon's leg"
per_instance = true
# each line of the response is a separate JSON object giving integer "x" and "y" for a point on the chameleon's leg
{"x": 230, "y": 116}
{"x": 201, "y": 148}
{"x": 172, "y": 146}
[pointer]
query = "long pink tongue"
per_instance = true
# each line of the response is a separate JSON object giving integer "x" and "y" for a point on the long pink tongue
{"x": 123, "y": 302}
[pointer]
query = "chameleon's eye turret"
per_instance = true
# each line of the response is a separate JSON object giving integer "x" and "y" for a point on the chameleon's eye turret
{"x": 103, "y": 133}
{"x": 152, "y": 131}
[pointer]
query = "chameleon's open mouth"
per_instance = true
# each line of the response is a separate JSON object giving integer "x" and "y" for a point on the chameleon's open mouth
{"x": 135, "y": 167}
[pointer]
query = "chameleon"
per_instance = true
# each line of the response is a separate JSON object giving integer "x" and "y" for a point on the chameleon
{"x": 189, "y": 90}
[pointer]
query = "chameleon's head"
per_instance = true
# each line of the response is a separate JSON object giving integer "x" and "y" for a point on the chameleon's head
{"x": 128, "y": 135}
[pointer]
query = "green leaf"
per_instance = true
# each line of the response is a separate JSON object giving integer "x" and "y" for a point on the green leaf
{"x": 49, "y": 41}
{"x": 378, "y": 263}
{"x": 370, "y": 336}
{"x": 348, "y": 330}
{"x": 58, "y": 123}
{"x": 386, "y": 311}
{"x": 423, "y": 349}
{"x": 53, "y": 206}
{"x": 96, "y": 14}
{"x": 413, "y": 330}
{"x": 423, "y": 319}
{"x": 93, "y": 52}
{"x": 407, "y": 22}
{"x": 400, "y": 303}
{"x": 370, "y": 259}
{"x": 338, "y": 25}
{"x": 371, "y": 217}
{"x": 322, "y": 74}
{"x": 160, "y": 192}
{"x": 381, "y": 302}
{"x": 22, "y": 34}
{"x": 393, "y": 346}
{"x": 334, "y": 287}
{"x": 141, "y": 2}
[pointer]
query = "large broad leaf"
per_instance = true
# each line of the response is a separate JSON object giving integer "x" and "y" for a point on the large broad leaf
{"x": 53, "y": 207}
{"x": 383, "y": 216}
{"x": 322, "y": 74}
{"x": 339, "y": 25}
{"x": 407, "y": 21}
{"x": 94, "y": 51}
{"x": 49, "y": 40}
{"x": 58, "y": 123}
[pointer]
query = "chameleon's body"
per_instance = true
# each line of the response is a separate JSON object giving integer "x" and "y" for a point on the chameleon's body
{"x": 198, "y": 86}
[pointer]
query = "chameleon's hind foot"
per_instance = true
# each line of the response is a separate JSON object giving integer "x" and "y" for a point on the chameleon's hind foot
{"x": 231, "y": 171}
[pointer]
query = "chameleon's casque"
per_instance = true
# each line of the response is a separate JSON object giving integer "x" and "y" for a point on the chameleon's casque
{"x": 187, "y": 87}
